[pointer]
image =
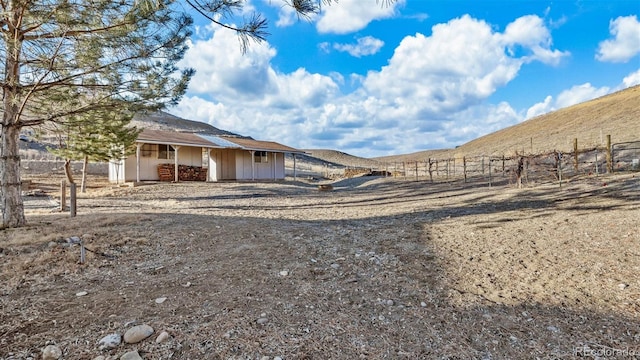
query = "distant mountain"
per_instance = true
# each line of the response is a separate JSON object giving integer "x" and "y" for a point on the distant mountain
{"x": 164, "y": 121}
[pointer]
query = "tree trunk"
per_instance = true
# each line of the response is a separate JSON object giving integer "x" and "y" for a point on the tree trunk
{"x": 85, "y": 165}
{"x": 68, "y": 171}
{"x": 10, "y": 188}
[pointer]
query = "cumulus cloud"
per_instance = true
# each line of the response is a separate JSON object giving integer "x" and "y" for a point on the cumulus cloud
{"x": 430, "y": 94}
{"x": 462, "y": 63}
{"x": 575, "y": 95}
{"x": 354, "y": 15}
{"x": 625, "y": 43}
{"x": 631, "y": 79}
{"x": 367, "y": 45}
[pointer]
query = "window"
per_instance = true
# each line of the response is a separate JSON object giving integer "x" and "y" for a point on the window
{"x": 147, "y": 150}
{"x": 261, "y": 157}
{"x": 166, "y": 152}
{"x": 205, "y": 157}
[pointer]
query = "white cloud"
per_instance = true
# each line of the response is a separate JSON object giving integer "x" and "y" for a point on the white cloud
{"x": 575, "y": 95}
{"x": 431, "y": 93}
{"x": 348, "y": 16}
{"x": 540, "y": 108}
{"x": 625, "y": 43}
{"x": 632, "y": 79}
{"x": 463, "y": 62}
{"x": 367, "y": 45}
{"x": 580, "y": 93}
{"x": 530, "y": 32}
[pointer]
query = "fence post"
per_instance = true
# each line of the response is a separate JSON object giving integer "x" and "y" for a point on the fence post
{"x": 609, "y": 155}
{"x": 482, "y": 164}
{"x": 63, "y": 195}
{"x": 489, "y": 171}
{"x": 503, "y": 164}
{"x": 464, "y": 168}
{"x": 72, "y": 199}
{"x": 430, "y": 171}
{"x": 416, "y": 170}
{"x": 597, "y": 174}
{"x": 559, "y": 157}
{"x": 575, "y": 154}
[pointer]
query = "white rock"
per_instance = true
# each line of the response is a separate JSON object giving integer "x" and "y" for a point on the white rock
{"x": 160, "y": 300}
{"x": 81, "y": 293}
{"x": 262, "y": 320}
{"x": 552, "y": 328}
{"x": 131, "y": 355}
{"x": 137, "y": 334}
{"x": 162, "y": 337}
{"x": 335, "y": 266}
{"x": 622, "y": 286}
{"x": 423, "y": 304}
{"x": 284, "y": 273}
{"x": 389, "y": 302}
{"x": 109, "y": 342}
{"x": 51, "y": 352}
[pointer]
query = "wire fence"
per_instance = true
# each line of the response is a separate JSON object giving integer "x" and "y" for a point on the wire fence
{"x": 553, "y": 166}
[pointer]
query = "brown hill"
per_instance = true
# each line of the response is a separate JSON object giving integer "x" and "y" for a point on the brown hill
{"x": 616, "y": 114}
{"x": 164, "y": 121}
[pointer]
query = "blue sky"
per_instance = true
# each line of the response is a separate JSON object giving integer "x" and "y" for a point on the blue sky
{"x": 371, "y": 80}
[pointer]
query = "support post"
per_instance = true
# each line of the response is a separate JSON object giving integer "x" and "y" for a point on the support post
{"x": 609, "y": 155}
{"x": 464, "y": 168}
{"x": 63, "y": 195}
{"x": 295, "y": 175}
{"x": 72, "y": 199}
{"x": 138, "y": 150}
{"x": 575, "y": 154}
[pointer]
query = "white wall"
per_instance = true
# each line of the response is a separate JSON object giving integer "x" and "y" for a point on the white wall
{"x": 187, "y": 155}
{"x": 271, "y": 170}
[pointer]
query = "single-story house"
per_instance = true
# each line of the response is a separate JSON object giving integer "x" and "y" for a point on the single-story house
{"x": 177, "y": 156}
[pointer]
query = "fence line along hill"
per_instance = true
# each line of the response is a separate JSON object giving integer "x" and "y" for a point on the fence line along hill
{"x": 616, "y": 114}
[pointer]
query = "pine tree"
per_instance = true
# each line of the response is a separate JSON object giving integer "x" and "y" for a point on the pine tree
{"x": 57, "y": 55}
{"x": 99, "y": 136}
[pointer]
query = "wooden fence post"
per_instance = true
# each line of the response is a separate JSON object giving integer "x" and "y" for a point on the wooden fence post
{"x": 72, "y": 199}
{"x": 482, "y": 164}
{"x": 575, "y": 154}
{"x": 63, "y": 195}
{"x": 464, "y": 168}
{"x": 609, "y": 155}
{"x": 430, "y": 171}
{"x": 416, "y": 170}
{"x": 489, "y": 171}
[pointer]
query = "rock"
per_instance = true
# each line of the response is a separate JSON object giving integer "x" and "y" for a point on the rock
{"x": 552, "y": 328}
{"x": 262, "y": 320}
{"x": 162, "y": 337}
{"x": 131, "y": 355}
{"x": 160, "y": 300}
{"x": 51, "y": 352}
{"x": 335, "y": 266}
{"x": 423, "y": 304}
{"x": 284, "y": 273}
{"x": 101, "y": 357}
{"x": 389, "y": 302}
{"x": 74, "y": 240}
{"x": 109, "y": 342}
{"x": 81, "y": 293}
{"x": 137, "y": 334}
{"x": 622, "y": 286}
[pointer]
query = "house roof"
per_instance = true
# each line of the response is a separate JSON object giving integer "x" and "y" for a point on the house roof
{"x": 211, "y": 141}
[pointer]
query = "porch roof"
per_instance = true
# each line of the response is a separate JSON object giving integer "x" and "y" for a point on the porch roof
{"x": 211, "y": 141}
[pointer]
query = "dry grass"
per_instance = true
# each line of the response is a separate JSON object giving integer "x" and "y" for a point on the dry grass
{"x": 616, "y": 114}
{"x": 375, "y": 268}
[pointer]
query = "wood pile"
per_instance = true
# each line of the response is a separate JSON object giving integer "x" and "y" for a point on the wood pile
{"x": 185, "y": 173}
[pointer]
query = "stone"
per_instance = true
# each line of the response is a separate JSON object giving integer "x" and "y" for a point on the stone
{"x": 284, "y": 273}
{"x": 101, "y": 357}
{"x": 131, "y": 355}
{"x": 160, "y": 300}
{"x": 51, "y": 352}
{"x": 622, "y": 286}
{"x": 109, "y": 342}
{"x": 137, "y": 334}
{"x": 389, "y": 302}
{"x": 81, "y": 293}
{"x": 262, "y": 320}
{"x": 162, "y": 337}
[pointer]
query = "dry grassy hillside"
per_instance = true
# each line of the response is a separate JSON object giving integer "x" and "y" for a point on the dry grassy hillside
{"x": 617, "y": 114}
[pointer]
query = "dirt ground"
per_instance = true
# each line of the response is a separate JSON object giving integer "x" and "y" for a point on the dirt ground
{"x": 376, "y": 268}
